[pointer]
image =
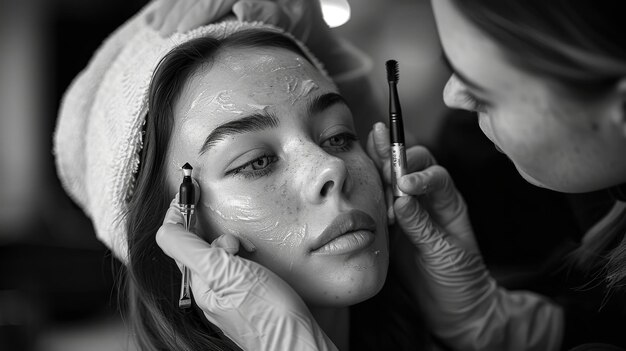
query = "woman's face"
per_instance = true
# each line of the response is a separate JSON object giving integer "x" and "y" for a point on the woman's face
{"x": 554, "y": 140}
{"x": 274, "y": 152}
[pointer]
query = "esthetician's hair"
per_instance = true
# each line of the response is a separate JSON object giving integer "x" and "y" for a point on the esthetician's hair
{"x": 153, "y": 279}
{"x": 580, "y": 47}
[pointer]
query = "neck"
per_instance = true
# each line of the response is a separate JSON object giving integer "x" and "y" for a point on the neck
{"x": 335, "y": 322}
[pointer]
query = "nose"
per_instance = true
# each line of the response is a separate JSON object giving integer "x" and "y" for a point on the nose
{"x": 330, "y": 179}
{"x": 452, "y": 95}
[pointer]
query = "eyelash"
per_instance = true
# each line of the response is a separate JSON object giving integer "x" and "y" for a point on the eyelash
{"x": 475, "y": 103}
{"x": 255, "y": 173}
{"x": 350, "y": 139}
{"x": 347, "y": 145}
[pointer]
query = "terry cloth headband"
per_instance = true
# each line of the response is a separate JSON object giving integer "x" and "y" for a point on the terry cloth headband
{"x": 98, "y": 137}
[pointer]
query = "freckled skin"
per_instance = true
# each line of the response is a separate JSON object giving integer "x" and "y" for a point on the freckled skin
{"x": 555, "y": 141}
{"x": 281, "y": 212}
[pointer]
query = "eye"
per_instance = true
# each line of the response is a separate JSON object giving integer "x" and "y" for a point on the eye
{"x": 258, "y": 167}
{"x": 260, "y": 163}
{"x": 340, "y": 142}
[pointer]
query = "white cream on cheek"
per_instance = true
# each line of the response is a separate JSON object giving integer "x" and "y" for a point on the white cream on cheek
{"x": 266, "y": 218}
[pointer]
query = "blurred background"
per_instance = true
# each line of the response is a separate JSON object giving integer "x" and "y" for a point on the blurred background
{"x": 57, "y": 282}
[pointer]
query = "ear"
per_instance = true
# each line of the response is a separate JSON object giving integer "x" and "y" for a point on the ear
{"x": 619, "y": 114}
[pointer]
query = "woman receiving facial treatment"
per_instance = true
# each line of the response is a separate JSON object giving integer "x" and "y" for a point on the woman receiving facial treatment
{"x": 277, "y": 166}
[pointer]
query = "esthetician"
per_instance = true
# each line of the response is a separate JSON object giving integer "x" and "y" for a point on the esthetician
{"x": 548, "y": 83}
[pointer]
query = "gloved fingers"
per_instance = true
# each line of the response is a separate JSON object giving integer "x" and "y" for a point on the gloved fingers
{"x": 204, "y": 12}
{"x": 227, "y": 242}
{"x": 418, "y": 225}
{"x": 391, "y": 214}
{"x": 221, "y": 271}
{"x": 205, "y": 298}
{"x": 417, "y": 159}
{"x": 382, "y": 144}
{"x": 158, "y": 15}
{"x": 415, "y": 221}
{"x": 173, "y": 215}
{"x": 174, "y": 16}
{"x": 445, "y": 203}
{"x": 371, "y": 151}
{"x": 267, "y": 12}
{"x": 432, "y": 179}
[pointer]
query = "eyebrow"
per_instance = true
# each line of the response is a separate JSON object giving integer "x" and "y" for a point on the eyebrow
{"x": 320, "y": 103}
{"x": 466, "y": 81}
{"x": 263, "y": 120}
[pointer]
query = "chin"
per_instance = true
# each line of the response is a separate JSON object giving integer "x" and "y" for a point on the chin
{"x": 562, "y": 187}
{"x": 527, "y": 177}
{"x": 351, "y": 284}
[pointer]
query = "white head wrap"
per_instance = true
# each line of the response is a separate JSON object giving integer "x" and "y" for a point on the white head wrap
{"x": 97, "y": 142}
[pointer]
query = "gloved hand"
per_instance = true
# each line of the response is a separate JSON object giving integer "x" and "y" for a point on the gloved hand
{"x": 171, "y": 16}
{"x": 302, "y": 18}
{"x": 430, "y": 181}
{"x": 462, "y": 302}
{"x": 252, "y": 306}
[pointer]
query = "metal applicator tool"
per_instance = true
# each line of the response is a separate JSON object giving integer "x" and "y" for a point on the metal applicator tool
{"x": 186, "y": 202}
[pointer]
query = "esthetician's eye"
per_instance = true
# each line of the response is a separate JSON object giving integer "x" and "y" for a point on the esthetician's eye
{"x": 258, "y": 167}
{"x": 340, "y": 142}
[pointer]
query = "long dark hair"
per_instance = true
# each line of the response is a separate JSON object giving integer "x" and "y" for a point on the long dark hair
{"x": 581, "y": 47}
{"x": 153, "y": 279}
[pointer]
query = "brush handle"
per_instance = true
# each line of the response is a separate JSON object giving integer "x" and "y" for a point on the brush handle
{"x": 398, "y": 167}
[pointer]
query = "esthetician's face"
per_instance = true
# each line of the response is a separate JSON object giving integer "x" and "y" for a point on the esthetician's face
{"x": 274, "y": 152}
{"x": 554, "y": 140}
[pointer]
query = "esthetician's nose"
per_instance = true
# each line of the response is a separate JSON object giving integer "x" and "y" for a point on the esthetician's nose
{"x": 329, "y": 179}
{"x": 452, "y": 93}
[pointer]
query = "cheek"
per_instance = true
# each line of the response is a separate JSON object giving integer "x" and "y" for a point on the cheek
{"x": 530, "y": 134}
{"x": 368, "y": 189}
{"x": 269, "y": 218}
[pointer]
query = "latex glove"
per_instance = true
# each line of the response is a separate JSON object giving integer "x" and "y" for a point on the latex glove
{"x": 302, "y": 18}
{"x": 430, "y": 181}
{"x": 171, "y": 16}
{"x": 252, "y": 306}
{"x": 462, "y": 302}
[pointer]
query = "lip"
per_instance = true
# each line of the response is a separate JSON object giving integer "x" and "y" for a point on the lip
{"x": 348, "y": 232}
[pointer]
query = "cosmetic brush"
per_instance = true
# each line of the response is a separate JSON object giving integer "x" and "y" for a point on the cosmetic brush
{"x": 396, "y": 129}
{"x": 186, "y": 200}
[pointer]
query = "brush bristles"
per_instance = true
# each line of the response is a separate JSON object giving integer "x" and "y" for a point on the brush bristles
{"x": 392, "y": 70}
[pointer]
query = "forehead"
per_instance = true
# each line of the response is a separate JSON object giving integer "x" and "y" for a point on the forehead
{"x": 243, "y": 80}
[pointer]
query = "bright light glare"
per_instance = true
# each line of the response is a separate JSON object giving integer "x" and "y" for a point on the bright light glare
{"x": 335, "y": 12}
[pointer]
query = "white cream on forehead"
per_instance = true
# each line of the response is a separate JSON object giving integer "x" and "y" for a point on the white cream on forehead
{"x": 262, "y": 81}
